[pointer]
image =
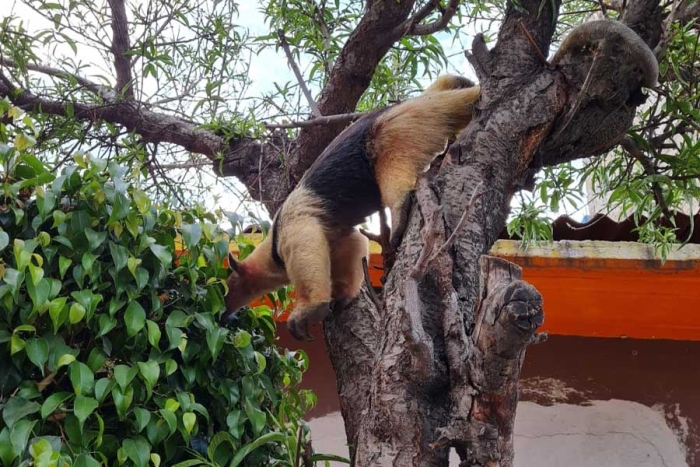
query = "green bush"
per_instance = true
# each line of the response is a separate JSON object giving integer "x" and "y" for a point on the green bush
{"x": 110, "y": 347}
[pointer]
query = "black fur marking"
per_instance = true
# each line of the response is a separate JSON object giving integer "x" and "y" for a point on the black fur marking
{"x": 275, "y": 242}
{"x": 343, "y": 176}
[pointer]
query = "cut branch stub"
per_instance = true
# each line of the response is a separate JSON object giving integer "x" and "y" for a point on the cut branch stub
{"x": 507, "y": 320}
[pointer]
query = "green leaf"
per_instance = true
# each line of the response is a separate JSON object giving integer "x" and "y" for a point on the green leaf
{"x": 190, "y": 463}
{"x": 120, "y": 208}
{"x": 76, "y": 313}
{"x": 188, "y": 420}
{"x": 95, "y": 239}
{"x": 36, "y": 273}
{"x": 56, "y": 312}
{"x": 162, "y": 253}
{"x": 215, "y": 341}
{"x": 143, "y": 416}
{"x": 45, "y": 203}
{"x": 16, "y": 344}
{"x": 38, "y": 352}
{"x": 143, "y": 202}
{"x": 150, "y": 371}
{"x": 124, "y": 375}
{"x": 17, "y": 408}
{"x": 191, "y": 234}
{"x": 138, "y": 450}
{"x": 256, "y": 416}
{"x": 53, "y": 402}
{"x": 59, "y": 217}
{"x": 120, "y": 255}
{"x": 65, "y": 359}
{"x": 39, "y": 293}
{"x": 19, "y": 436}
{"x": 170, "y": 419}
{"x": 39, "y": 447}
{"x": 87, "y": 262}
{"x": 4, "y": 239}
{"x": 170, "y": 366}
{"x": 83, "y": 407}
{"x": 262, "y": 363}
{"x": 106, "y": 324}
{"x": 96, "y": 359}
{"x": 171, "y": 405}
{"x": 63, "y": 265}
{"x": 7, "y": 454}
{"x": 14, "y": 279}
{"x": 122, "y": 400}
{"x": 153, "y": 333}
{"x": 274, "y": 437}
{"x": 82, "y": 378}
{"x": 221, "y": 448}
{"x": 242, "y": 339}
{"x": 86, "y": 460}
{"x": 134, "y": 318}
{"x": 102, "y": 386}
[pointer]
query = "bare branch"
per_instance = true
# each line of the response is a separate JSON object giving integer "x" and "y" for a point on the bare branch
{"x": 341, "y": 118}
{"x": 413, "y": 26}
{"x": 531, "y": 40}
{"x": 660, "y": 49}
{"x": 369, "y": 42}
{"x": 325, "y": 32}
{"x": 120, "y": 45}
{"x": 431, "y": 231}
{"x": 101, "y": 90}
{"x": 300, "y": 79}
{"x": 152, "y": 126}
{"x": 10, "y": 88}
{"x": 460, "y": 225}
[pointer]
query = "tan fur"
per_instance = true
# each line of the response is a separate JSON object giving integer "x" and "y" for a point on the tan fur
{"x": 346, "y": 264}
{"x": 409, "y": 137}
{"x": 255, "y": 276}
{"x": 325, "y": 264}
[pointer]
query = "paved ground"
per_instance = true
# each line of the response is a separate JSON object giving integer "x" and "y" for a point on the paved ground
{"x": 610, "y": 433}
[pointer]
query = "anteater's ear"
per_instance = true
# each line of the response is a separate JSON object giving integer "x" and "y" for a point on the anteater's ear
{"x": 233, "y": 262}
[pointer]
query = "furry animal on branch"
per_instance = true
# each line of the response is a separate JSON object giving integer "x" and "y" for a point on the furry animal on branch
{"x": 372, "y": 164}
{"x": 595, "y": 34}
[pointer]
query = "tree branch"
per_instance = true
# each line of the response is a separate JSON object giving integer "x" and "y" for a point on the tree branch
{"x": 416, "y": 29}
{"x": 300, "y": 79}
{"x": 100, "y": 90}
{"x": 152, "y": 126}
{"x": 351, "y": 75}
{"x": 120, "y": 46}
{"x": 329, "y": 119}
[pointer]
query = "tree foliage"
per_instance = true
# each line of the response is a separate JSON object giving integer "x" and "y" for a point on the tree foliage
{"x": 192, "y": 59}
{"x": 110, "y": 347}
{"x": 172, "y": 90}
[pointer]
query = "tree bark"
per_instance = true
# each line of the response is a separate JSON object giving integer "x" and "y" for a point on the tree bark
{"x": 438, "y": 365}
{"x": 446, "y": 358}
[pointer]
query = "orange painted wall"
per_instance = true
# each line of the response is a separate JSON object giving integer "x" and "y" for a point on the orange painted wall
{"x": 596, "y": 297}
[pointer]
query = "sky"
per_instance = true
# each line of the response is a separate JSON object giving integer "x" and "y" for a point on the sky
{"x": 267, "y": 68}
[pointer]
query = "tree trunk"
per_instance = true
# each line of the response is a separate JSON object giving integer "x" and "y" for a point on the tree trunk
{"x": 438, "y": 366}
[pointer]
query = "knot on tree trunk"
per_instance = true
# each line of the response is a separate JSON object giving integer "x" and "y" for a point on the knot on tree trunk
{"x": 506, "y": 322}
{"x": 509, "y": 313}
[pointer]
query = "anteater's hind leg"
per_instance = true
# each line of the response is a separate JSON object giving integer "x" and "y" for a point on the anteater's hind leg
{"x": 346, "y": 267}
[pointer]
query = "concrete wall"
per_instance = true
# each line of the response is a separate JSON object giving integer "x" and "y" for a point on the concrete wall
{"x": 584, "y": 402}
